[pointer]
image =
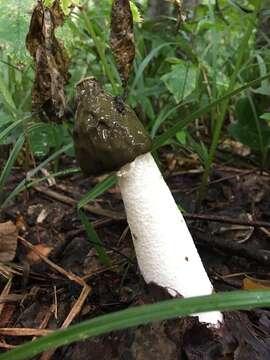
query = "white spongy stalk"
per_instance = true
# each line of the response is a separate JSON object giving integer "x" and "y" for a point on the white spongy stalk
{"x": 165, "y": 250}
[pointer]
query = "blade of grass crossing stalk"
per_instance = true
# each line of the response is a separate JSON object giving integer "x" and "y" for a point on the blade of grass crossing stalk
{"x": 162, "y": 139}
{"x": 97, "y": 190}
{"x": 12, "y": 158}
{"x": 139, "y": 315}
{"x": 94, "y": 238}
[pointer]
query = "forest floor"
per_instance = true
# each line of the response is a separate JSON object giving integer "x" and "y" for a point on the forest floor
{"x": 56, "y": 277}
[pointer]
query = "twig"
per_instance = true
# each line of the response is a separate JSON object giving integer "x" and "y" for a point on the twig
{"x": 46, "y": 319}
{"x": 76, "y": 308}
{"x": 56, "y": 267}
{"x": 227, "y": 220}
{"x": 12, "y": 298}
{"x": 4, "y": 345}
{"x": 69, "y": 201}
{"x": 5, "y": 293}
{"x": 24, "y": 332}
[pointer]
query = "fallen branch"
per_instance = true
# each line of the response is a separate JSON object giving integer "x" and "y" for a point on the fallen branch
{"x": 227, "y": 220}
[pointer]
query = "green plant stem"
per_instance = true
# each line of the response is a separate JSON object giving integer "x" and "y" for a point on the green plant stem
{"x": 263, "y": 148}
{"x": 214, "y": 36}
{"x": 100, "y": 51}
{"x": 221, "y": 116}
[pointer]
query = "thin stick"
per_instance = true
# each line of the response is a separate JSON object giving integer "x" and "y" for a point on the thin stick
{"x": 76, "y": 309}
{"x": 227, "y": 220}
{"x": 4, "y": 345}
{"x": 5, "y": 293}
{"x": 69, "y": 201}
{"x": 56, "y": 267}
{"x": 24, "y": 332}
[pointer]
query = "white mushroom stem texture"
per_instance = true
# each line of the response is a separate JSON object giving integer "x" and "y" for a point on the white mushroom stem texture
{"x": 164, "y": 247}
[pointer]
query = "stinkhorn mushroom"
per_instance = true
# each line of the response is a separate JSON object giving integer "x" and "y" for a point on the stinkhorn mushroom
{"x": 109, "y": 137}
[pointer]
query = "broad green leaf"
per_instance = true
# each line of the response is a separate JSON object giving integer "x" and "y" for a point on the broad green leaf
{"x": 65, "y": 4}
{"x": 182, "y": 80}
{"x": 48, "y": 2}
{"x": 41, "y": 139}
{"x": 136, "y": 14}
{"x": 14, "y": 22}
{"x": 264, "y": 89}
{"x": 265, "y": 116}
{"x": 234, "y": 300}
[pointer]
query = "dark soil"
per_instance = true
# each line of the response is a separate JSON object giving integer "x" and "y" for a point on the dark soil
{"x": 236, "y": 256}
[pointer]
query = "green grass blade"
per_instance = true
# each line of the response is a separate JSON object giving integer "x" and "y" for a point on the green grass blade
{"x": 141, "y": 315}
{"x": 54, "y": 175}
{"x": 22, "y": 185}
{"x": 6, "y": 95}
{"x": 162, "y": 139}
{"x": 10, "y": 128}
{"x": 12, "y": 157}
{"x": 145, "y": 62}
{"x": 163, "y": 116}
{"x": 97, "y": 190}
{"x": 94, "y": 238}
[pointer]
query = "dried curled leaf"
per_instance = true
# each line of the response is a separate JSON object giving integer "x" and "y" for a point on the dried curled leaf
{"x": 51, "y": 60}
{"x": 122, "y": 39}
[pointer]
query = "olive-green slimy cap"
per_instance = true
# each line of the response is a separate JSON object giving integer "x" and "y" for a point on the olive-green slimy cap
{"x": 106, "y": 135}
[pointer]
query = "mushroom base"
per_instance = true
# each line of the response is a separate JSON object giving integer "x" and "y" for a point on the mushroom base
{"x": 165, "y": 250}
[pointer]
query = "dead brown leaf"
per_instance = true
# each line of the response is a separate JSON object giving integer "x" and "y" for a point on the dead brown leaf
{"x": 51, "y": 61}
{"x": 255, "y": 284}
{"x": 122, "y": 39}
{"x": 33, "y": 257}
{"x": 8, "y": 241}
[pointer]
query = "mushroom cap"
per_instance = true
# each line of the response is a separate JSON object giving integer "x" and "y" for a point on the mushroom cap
{"x": 107, "y": 134}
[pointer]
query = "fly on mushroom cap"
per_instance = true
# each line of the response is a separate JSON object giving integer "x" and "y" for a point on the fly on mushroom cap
{"x": 105, "y": 136}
